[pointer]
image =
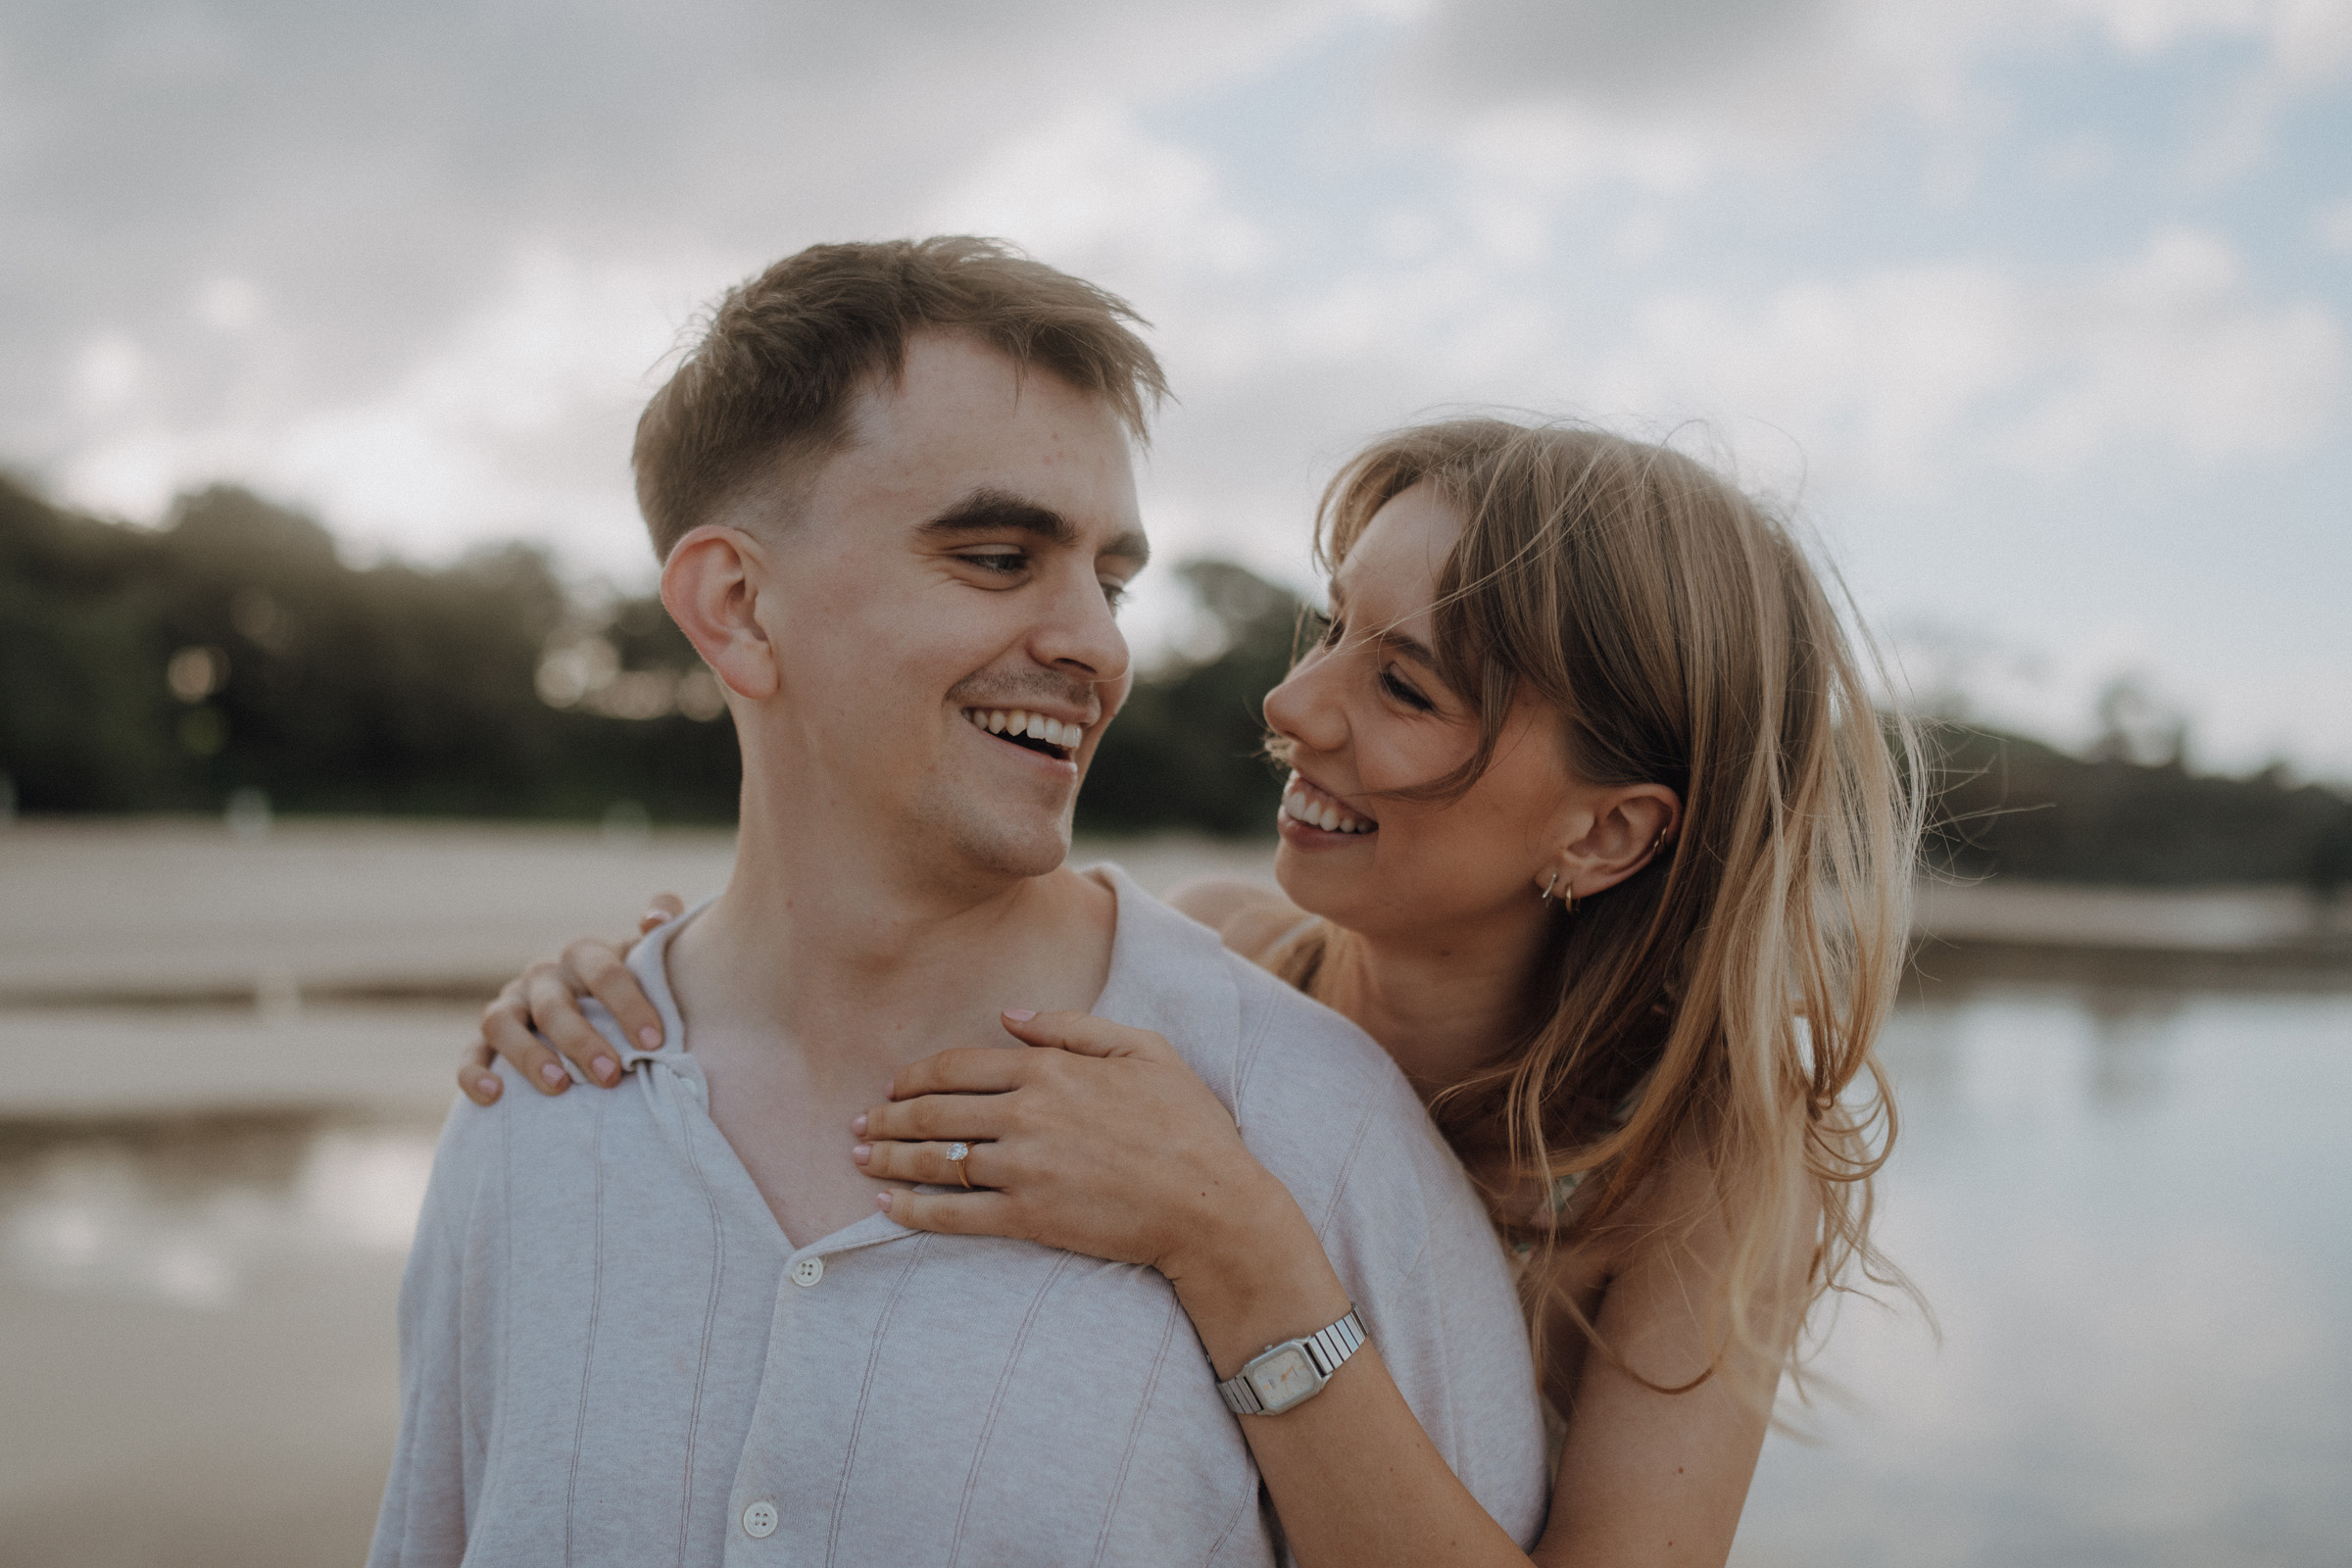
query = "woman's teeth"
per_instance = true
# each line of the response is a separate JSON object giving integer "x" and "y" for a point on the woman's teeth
{"x": 1306, "y": 803}
{"x": 1014, "y": 722}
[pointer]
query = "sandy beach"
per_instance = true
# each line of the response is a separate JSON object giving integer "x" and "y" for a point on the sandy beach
{"x": 173, "y": 967}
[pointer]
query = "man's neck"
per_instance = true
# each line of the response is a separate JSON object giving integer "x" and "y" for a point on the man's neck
{"x": 819, "y": 973}
{"x": 823, "y": 936}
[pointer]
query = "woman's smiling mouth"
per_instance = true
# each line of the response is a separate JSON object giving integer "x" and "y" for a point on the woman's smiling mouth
{"x": 1310, "y": 806}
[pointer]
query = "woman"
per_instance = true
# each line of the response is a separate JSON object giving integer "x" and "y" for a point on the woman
{"x": 1593, "y": 827}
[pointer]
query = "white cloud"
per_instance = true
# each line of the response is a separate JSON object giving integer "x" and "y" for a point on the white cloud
{"x": 295, "y": 215}
{"x": 2332, "y": 222}
{"x": 109, "y": 372}
{"x": 1911, "y": 376}
{"x": 1091, "y": 191}
{"x": 229, "y": 304}
{"x": 1667, "y": 98}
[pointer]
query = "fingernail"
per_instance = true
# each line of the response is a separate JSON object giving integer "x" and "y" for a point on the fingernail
{"x": 605, "y": 1068}
{"x": 650, "y": 1038}
{"x": 882, "y": 1201}
{"x": 488, "y": 1086}
{"x": 549, "y": 1074}
{"x": 654, "y": 917}
{"x": 862, "y": 1153}
{"x": 1019, "y": 1015}
{"x": 858, "y": 1125}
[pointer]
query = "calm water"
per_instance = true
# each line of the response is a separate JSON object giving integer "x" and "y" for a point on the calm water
{"x": 2126, "y": 1203}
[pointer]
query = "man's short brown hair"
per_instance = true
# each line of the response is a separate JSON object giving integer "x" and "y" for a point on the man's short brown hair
{"x": 771, "y": 385}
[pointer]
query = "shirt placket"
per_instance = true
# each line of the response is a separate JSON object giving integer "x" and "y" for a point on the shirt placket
{"x": 830, "y": 1300}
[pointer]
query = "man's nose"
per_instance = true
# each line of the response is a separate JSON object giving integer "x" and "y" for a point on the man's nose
{"x": 1302, "y": 707}
{"x": 1079, "y": 634}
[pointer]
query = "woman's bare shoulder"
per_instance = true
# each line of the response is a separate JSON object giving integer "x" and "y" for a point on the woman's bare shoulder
{"x": 1249, "y": 917}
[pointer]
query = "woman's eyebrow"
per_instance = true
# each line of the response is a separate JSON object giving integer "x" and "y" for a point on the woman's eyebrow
{"x": 1409, "y": 645}
{"x": 1406, "y": 643}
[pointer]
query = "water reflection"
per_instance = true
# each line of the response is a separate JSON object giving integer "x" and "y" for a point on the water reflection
{"x": 185, "y": 1211}
{"x": 2128, "y": 1206}
{"x": 2131, "y": 1042}
{"x": 197, "y": 1359}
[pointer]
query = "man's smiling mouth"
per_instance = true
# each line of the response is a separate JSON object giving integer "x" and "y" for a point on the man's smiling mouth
{"x": 1035, "y": 732}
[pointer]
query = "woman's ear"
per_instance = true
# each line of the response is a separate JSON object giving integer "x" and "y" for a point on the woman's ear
{"x": 1629, "y": 825}
{"x": 711, "y": 585}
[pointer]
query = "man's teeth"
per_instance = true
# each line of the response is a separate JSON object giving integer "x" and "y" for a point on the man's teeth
{"x": 1308, "y": 805}
{"x": 1019, "y": 721}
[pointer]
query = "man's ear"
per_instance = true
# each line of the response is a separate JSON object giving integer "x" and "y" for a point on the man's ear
{"x": 1629, "y": 825}
{"x": 711, "y": 585}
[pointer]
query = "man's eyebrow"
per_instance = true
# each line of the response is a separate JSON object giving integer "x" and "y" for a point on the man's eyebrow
{"x": 989, "y": 510}
{"x": 1130, "y": 546}
{"x": 986, "y": 511}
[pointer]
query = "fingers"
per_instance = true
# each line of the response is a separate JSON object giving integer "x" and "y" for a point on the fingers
{"x": 506, "y": 1030}
{"x": 556, "y": 1015}
{"x": 608, "y": 980}
{"x": 935, "y": 1119}
{"x": 964, "y": 1070}
{"x": 1085, "y": 1035}
{"x": 953, "y": 1213}
{"x": 659, "y": 911}
{"x": 475, "y": 1077}
{"x": 891, "y": 1160}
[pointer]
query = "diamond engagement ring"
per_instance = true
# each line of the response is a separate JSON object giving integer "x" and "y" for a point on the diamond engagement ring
{"x": 956, "y": 1153}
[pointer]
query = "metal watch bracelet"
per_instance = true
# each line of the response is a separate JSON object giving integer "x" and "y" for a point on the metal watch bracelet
{"x": 1288, "y": 1374}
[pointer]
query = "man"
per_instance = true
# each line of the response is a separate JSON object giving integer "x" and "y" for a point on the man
{"x": 893, "y": 494}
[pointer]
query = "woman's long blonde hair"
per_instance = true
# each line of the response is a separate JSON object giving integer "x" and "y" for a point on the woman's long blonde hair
{"x": 1732, "y": 990}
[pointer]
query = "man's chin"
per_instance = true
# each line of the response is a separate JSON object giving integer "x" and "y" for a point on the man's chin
{"x": 1009, "y": 846}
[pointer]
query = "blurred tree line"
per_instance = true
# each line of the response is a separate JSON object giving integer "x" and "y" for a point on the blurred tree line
{"x": 232, "y": 650}
{"x": 2009, "y": 804}
{"x": 163, "y": 671}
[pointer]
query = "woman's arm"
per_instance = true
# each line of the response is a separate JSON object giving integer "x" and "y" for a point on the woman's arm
{"x": 1648, "y": 1478}
{"x": 545, "y": 998}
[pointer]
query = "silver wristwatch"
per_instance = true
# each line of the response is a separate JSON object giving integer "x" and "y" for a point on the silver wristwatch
{"x": 1293, "y": 1372}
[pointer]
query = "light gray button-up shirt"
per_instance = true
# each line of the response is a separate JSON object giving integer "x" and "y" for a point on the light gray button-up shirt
{"x": 611, "y": 1353}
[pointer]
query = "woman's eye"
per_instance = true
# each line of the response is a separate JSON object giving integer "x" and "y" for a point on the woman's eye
{"x": 1334, "y": 630}
{"x": 1404, "y": 694}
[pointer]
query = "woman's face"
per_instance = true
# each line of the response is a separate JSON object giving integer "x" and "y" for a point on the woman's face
{"x": 1366, "y": 712}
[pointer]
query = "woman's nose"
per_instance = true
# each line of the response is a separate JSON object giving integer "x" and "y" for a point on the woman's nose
{"x": 1302, "y": 710}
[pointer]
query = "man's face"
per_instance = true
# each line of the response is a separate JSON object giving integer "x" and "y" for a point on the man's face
{"x": 958, "y": 562}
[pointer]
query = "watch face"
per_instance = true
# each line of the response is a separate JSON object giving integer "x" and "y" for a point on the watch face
{"x": 1281, "y": 1378}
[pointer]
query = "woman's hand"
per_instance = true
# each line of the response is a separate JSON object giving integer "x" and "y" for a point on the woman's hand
{"x": 1104, "y": 1143}
{"x": 545, "y": 998}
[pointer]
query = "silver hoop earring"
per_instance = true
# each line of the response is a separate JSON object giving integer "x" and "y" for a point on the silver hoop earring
{"x": 1545, "y": 896}
{"x": 1567, "y": 899}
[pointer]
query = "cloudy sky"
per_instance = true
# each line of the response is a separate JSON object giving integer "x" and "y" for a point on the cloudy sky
{"x": 2034, "y": 309}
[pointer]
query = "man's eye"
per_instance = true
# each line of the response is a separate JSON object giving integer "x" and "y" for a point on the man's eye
{"x": 1004, "y": 563}
{"x": 1115, "y": 593}
{"x": 1404, "y": 694}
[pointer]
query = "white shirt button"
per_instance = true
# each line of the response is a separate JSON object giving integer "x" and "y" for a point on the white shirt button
{"x": 807, "y": 1271}
{"x": 760, "y": 1520}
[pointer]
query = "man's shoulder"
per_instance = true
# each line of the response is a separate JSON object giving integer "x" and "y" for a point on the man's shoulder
{"x": 1178, "y": 970}
{"x": 1309, "y": 1090}
{"x": 533, "y": 1138}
